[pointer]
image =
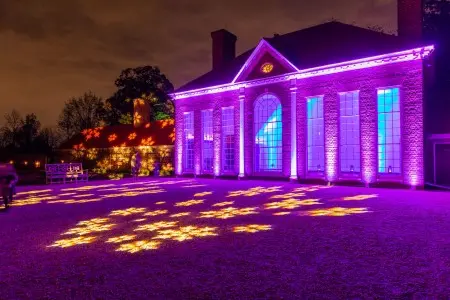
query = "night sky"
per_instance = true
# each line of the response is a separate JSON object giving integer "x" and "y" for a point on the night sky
{"x": 52, "y": 50}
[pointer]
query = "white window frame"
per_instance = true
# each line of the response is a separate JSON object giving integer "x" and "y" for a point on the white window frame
{"x": 189, "y": 153}
{"x": 313, "y": 141}
{"x": 228, "y": 163}
{"x": 207, "y": 140}
{"x": 349, "y": 133}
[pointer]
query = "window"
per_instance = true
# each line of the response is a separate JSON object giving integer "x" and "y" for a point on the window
{"x": 268, "y": 134}
{"x": 316, "y": 151}
{"x": 389, "y": 131}
{"x": 349, "y": 140}
{"x": 189, "y": 141}
{"x": 207, "y": 144}
{"x": 228, "y": 139}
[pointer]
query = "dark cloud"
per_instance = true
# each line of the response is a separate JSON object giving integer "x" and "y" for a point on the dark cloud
{"x": 53, "y": 50}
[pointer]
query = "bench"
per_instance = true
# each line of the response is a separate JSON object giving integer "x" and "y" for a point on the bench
{"x": 70, "y": 172}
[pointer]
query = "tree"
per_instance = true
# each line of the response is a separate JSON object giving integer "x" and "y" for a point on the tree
{"x": 29, "y": 132}
{"x": 10, "y": 132}
{"x": 84, "y": 112}
{"x": 48, "y": 140}
{"x": 145, "y": 82}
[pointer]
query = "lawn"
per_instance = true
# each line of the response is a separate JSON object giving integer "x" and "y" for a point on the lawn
{"x": 220, "y": 239}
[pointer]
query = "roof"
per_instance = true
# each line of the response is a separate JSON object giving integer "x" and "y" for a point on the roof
{"x": 156, "y": 133}
{"x": 316, "y": 46}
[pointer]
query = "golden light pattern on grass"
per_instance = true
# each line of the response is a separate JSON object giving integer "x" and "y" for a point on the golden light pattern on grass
{"x": 291, "y": 203}
{"x": 282, "y": 213}
{"x": 160, "y": 202}
{"x": 83, "y": 195}
{"x": 156, "y": 226}
{"x": 87, "y": 187}
{"x": 122, "y": 238}
{"x": 202, "y": 194}
{"x": 287, "y": 196}
{"x": 182, "y": 214}
{"x": 139, "y": 246}
{"x": 189, "y": 203}
{"x": 194, "y": 186}
{"x": 140, "y": 220}
{"x": 360, "y": 197}
{"x": 128, "y": 211}
{"x": 66, "y": 194}
{"x": 156, "y": 213}
{"x": 33, "y": 192}
{"x": 254, "y": 191}
{"x": 335, "y": 212}
{"x": 186, "y": 233}
{"x": 252, "y": 228}
{"x": 90, "y": 226}
{"x": 226, "y": 203}
{"x": 229, "y": 212}
{"x": 71, "y": 201}
{"x": 25, "y": 202}
{"x": 65, "y": 243}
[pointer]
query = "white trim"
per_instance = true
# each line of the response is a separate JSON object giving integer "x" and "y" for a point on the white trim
{"x": 241, "y": 135}
{"x": 293, "y": 130}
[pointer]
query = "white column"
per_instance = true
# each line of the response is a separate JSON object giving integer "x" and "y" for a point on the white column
{"x": 293, "y": 131}
{"x": 241, "y": 133}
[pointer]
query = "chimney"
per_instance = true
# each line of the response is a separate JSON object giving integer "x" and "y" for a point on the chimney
{"x": 410, "y": 19}
{"x": 223, "y": 47}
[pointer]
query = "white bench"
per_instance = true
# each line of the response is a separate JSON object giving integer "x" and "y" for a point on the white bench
{"x": 71, "y": 172}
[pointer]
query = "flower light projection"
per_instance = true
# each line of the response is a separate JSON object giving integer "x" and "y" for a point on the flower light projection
{"x": 122, "y": 238}
{"x": 186, "y": 233}
{"x": 160, "y": 202}
{"x": 287, "y": 196}
{"x": 360, "y": 197}
{"x": 33, "y": 192}
{"x": 229, "y": 212}
{"x": 156, "y": 213}
{"x": 156, "y": 226}
{"x": 90, "y": 226}
{"x": 147, "y": 141}
{"x": 112, "y": 137}
{"x": 254, "y": 191}
{"x": 87, "y": 187}
{"x": 335, "y": 212}
{"x": 291, "y": 203}
{"x": 128, "y": 211}
{"x": 132, "y": 136}
{"x": 182, "y": 214}
{"x": 139, "y": 246}
{"x": 194, "y": 186}
{"x": 226, "y": 203}
{"x": 65, "y": 243}
{"x": 202, "y": 194}
{"x": 83, "y": 195}
{"x": 189, "y": 203}
{"x": 75, "y": 201}
{"x": 140, "y": 220}
{"x": 252, "y": 228}
{"x": 282, "y": 213}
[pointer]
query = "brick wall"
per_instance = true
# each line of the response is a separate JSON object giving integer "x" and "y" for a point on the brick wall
{"x": 406, "y": 75}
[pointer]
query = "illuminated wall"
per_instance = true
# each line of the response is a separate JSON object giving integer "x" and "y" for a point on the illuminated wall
{"x": 364, "y": 76}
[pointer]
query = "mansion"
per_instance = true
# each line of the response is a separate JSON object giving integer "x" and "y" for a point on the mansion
{"x": 333, "y": 102}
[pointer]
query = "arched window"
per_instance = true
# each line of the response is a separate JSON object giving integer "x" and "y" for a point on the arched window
{"x": 268, "y": 134}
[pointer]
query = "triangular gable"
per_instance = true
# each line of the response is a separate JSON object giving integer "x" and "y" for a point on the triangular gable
{"x": 264, "y": 53}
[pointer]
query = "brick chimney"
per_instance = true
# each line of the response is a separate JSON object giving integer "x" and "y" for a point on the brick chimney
{"x": 410, "y": 18}
{"x": 223, "y": 48}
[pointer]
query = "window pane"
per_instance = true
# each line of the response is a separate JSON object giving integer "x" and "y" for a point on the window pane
{"x": 228, "y": 139}
{"x": 207, "y": 143}
{"x": 189, "y": 141}
{"x": 389, "y": 145}
{"x": 349, "y": 132}
{"x": 315, "y": 134}
{"x": 268, "y": 134}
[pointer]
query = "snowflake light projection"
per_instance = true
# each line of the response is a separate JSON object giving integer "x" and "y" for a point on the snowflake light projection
{"x": 156, "y": 213}
{"x": 335, "y": 212}
{"x": 182, "y": 214}
{"x": 229, "y": 212}
{"x": 252, "y": 228}
{"x": 73, "y": 241}
{"x": 189, "y": 203}
{"x": 287, "y": 196}
{"x": 202, "y": 194}
{"x": 226, "y": 203}
{"x": 186, "y": 233}
{"x": 128, "y": 211}
{"x": 122, "y": 238}
{"x": 139, "y": 246}
{"x": 156, "y": 226}
{"x": 360, "y": 197}
{"x": 254, "y": 191}
{"x": 90, "y": 226}
{"x": 291, "y": 203}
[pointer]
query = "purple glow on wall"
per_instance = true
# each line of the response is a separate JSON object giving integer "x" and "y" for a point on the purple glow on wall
{"x": 374, "y": 61}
